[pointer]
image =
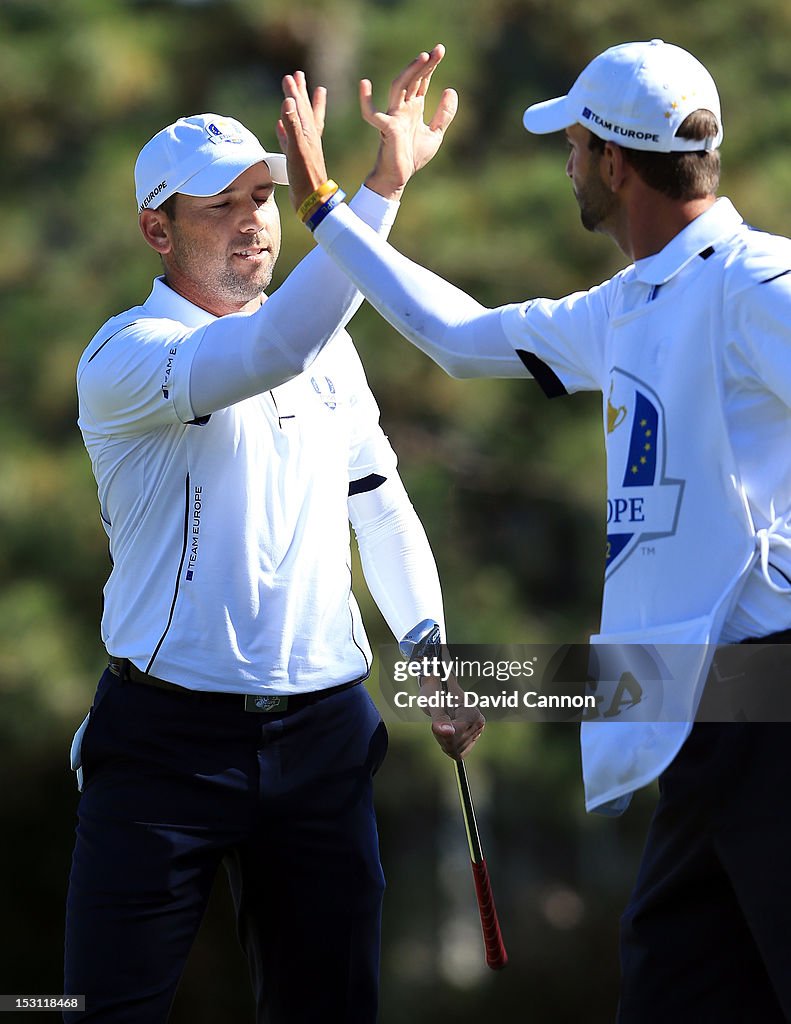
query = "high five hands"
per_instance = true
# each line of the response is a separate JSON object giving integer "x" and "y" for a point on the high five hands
{"x": 406, "y": 142}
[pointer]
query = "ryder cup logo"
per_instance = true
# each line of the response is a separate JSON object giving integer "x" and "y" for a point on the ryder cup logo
{"x": 222, "y": 131}
{"x": 642, "y": 504}
{"x": 325, "y": 391}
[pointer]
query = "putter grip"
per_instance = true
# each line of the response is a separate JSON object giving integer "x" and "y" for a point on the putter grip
{"x": 496, "y": 956}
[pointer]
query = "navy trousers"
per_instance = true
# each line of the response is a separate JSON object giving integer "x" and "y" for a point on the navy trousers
{"x": 174, "y": 787}
{"x": 706, "y": 937}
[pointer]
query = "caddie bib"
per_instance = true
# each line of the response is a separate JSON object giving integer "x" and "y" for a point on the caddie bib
{"x": 680, "y": 539}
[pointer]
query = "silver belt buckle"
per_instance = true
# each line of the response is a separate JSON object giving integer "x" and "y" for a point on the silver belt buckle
{"x": 265, "y": 703}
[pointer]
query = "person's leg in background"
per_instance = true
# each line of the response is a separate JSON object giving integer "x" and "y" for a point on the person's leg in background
{"x": 705, "y": 934}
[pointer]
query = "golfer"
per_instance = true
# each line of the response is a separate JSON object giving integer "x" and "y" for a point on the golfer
{"x": 233, "y": 436}
{"x": 690, "y": 346}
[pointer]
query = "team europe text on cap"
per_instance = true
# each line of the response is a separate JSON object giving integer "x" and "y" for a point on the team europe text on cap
{"x": 199, "y": 156}
{"x": 636, "y": 94}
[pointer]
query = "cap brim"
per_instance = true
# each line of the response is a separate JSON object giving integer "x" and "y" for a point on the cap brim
{"x": 548, "y": 116}
{"x": 218, "y": 175}
{"x": 278, "y": 167}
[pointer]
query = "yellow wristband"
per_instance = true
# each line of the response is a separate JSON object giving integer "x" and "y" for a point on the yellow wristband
{"x": 322, "y": 193}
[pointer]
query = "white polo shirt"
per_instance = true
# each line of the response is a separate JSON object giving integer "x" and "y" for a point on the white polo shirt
{"x": 571, "y": 337}
{"x": 229, "y": 537}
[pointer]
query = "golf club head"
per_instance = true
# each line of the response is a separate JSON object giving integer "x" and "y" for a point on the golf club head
{"x": 422, "y": 640}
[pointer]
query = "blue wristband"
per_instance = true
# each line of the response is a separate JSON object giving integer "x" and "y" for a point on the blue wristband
{"x": 315, "y": 219}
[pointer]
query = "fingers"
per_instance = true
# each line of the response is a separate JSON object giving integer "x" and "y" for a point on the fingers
{"x": 295, "y": 88}
{"x": 300, "y": 140}
{"x": 456, "y": 737}
{"x": 288, "y": 124}
{"x": 291, "y": 84}
{"x": 458, "y": 742}
{"x": 367, "y": 108}
{"x": 302, "y": 120}
{"x": 406, "y": 83}
{"x": 434, "y": 58}
{"x": 319, "y": 107}
{"x": 467, "y": 740}
{"x": 418, "y": 74}
{"x": 411, "y": 90}
{"x": 412, "y": 82}
{"x": 445, "y": 112}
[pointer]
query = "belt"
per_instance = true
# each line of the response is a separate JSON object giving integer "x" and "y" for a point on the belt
{"x": 262, "y": 703}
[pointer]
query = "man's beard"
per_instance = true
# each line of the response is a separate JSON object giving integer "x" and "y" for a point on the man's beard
{"x": 244, "y": 288}
{"x": 596, "y": 203}
{"x": 225, "y": 283}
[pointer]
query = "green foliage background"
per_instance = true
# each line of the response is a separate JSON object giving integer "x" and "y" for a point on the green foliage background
{"x": 508, "y": 485}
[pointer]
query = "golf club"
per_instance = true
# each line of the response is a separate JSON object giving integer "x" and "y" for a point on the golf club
{"x": 424, "y": 641}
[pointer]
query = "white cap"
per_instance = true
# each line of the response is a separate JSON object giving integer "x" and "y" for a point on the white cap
{"x": 199, "y": 156}
{"x": 635, "y": 94}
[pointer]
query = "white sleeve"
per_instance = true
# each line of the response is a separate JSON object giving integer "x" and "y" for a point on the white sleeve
{"x": 397, "y": 560}
{"x": 242, "y": 355}
{"x": 763, "y": 336}
{"x": 460, "y": 334}
{"x": 561, "y": 341}
{"x": 558, "y": 342}
{"x": 142, "y": 372}
{"x": 134, "y": 375}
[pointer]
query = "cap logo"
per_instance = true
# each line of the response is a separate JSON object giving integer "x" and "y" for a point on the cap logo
{"x": 152, "y": 195}
{"x": 616, "y": 129}
{"x": 217, "y": 135}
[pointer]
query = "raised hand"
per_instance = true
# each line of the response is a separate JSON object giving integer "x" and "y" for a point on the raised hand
{"x": 407, "y": 143}
{"x": 299, "y": 133}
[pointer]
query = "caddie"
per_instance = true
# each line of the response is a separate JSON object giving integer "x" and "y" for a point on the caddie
{"x": 690, "y": 346}
{"x": 233, "y": 437}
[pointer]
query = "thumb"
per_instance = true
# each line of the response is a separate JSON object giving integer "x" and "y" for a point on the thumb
{"x": 446, "y": 111}
{"x": 441, "y": 724}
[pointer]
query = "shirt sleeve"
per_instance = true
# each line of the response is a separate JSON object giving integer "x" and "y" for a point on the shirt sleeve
{"x": 239, "y": 356}
{"x": 135, "y": 377}
{"x": 762, "y": 341}
{"x": 561, "y": 341}
{"x": 370, "y": 452}
{"x": 153, "y": 372}
{"x": 451, "y": 327}
{"x": 397, "y": 561}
